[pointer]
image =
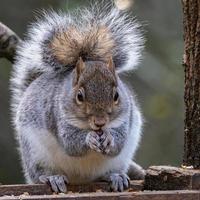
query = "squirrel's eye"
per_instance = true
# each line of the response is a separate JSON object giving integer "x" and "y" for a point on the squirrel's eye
{"x": 80, "y": 96}
{"x": 116, "y": 97}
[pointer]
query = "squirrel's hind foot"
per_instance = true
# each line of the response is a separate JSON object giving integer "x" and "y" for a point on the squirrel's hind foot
{"x": 136, "y": 172}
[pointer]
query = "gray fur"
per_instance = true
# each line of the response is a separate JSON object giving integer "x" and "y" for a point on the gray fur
{"x": 56, "y": 136}
{"x": 136, "y": 172}
{"x": 41, "y": 108}
{"x": 125, "y": 31}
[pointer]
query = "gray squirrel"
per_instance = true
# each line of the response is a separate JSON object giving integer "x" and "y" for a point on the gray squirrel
{"x": 76, "y": 121}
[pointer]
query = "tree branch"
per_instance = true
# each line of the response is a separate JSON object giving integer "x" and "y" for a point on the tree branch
{"x": 8, "y": 43}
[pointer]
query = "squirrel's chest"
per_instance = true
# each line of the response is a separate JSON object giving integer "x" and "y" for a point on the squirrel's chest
{"x": 77, "y": 169}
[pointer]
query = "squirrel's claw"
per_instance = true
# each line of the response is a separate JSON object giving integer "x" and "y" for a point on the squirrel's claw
{"x": 92, "y": 141}
{"x": 57, "y": 182}
{"x": 119, "y": 182}
{"x": 101, "y": 144}
{"x": 107, "y": 142}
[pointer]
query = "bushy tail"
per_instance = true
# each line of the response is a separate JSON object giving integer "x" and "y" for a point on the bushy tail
{"x": 55, "y": 42}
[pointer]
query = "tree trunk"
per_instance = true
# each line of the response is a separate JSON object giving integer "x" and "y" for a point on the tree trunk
{"x": 191, "y": 20}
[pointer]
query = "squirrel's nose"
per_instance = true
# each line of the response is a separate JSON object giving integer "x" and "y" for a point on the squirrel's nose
{"x": 99, "y": 122}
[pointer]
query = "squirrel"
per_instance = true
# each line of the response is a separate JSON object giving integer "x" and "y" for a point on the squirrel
{"x": 76, "y": 121}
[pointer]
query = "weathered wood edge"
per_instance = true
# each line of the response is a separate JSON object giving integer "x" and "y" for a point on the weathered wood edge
{"x": 145, "y": 195}
{"x": 157, "y": 178}
{"x": 171, "y": 178}
{"x": 41, "y": 189}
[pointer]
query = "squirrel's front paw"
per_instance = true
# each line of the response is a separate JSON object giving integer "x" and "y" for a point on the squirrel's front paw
{"x": 107, "y": 142}
{"x": 92, "y": 140}
{"x": 119, "y": 182}
{"x": 57, "y": 182}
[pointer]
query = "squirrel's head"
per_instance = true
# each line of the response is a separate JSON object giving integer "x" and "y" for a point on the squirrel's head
{"x": 95, "y": 93}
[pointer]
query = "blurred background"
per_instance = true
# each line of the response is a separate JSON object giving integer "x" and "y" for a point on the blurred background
{"x": 158, "y": 81}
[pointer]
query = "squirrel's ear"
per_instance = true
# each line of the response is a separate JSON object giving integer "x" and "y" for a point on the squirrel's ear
{"x": 110, "y": 64}
{"x": 80, "y": 65}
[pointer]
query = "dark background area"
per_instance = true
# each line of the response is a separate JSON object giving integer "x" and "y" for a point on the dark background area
{"x": 158, "y": 81}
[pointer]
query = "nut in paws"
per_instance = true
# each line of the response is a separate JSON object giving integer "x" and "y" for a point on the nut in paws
{"x": 92, "y": 140}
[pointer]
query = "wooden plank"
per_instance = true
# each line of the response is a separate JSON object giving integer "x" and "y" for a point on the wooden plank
{"x": 40, "y": 189}
{"x": 146, "y": 195}
{"x": 164, "y": 195}
{"x": 171, "y": 178}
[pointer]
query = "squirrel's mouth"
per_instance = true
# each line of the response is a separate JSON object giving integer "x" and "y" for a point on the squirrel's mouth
{"x": 95, "y": 127}
{"x": 98, "y": 123}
